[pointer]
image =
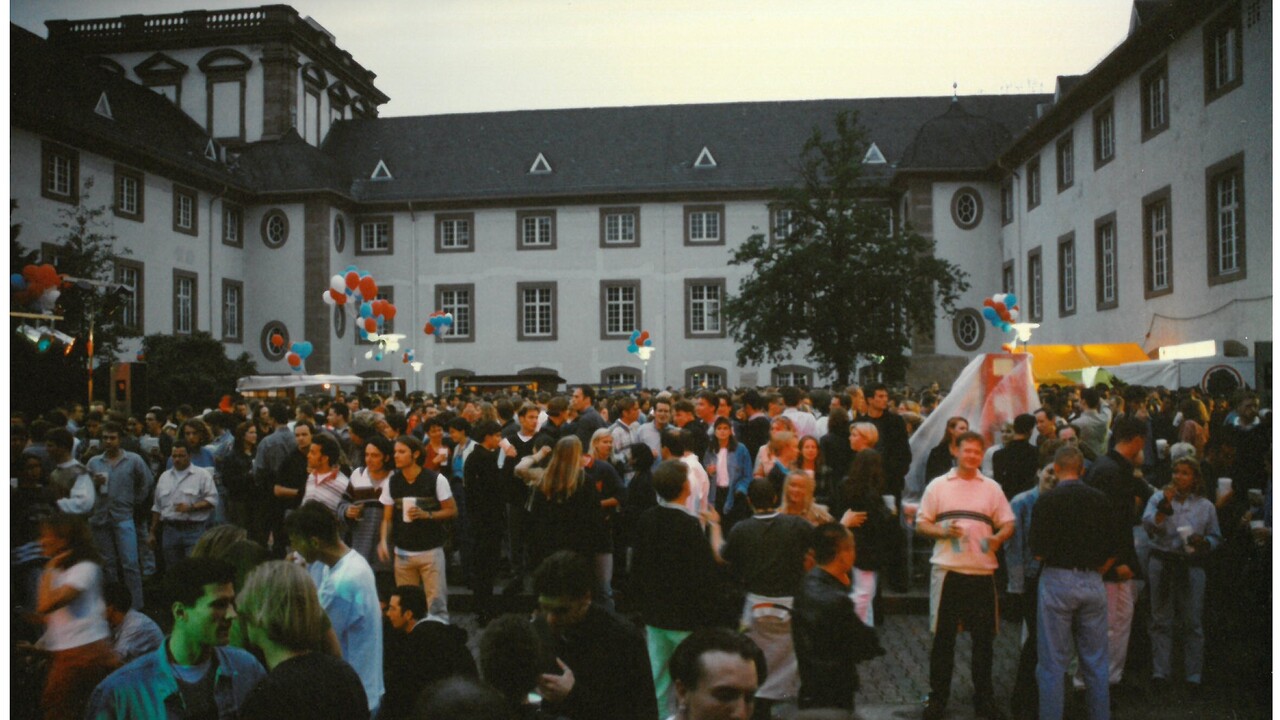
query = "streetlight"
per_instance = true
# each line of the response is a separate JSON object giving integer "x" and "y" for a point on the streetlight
{"x": 645, "y": 352}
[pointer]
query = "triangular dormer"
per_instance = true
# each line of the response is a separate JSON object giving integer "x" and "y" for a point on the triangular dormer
{"x": 211, "y": 151}
{"x": 103, "y": 107}
{"x": 705, "y": 159}
{"x": 873, "y": 156}
{"x": 381, "y": 172}
{"x": 540, "y": 165}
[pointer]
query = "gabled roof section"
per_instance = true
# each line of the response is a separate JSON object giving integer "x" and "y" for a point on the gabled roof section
{"x": 211, "y": 150}
{"x": 147, "y": 129}
{"x": 103, "y": 107}
{"x": 629, "y": 150}
{"x": 1065, "y": 84}
{"x": 705, "y": 159}
{"x": 1144, "y": 11}
{"x": 540, "y": 165}
{"x": 160, "y": 66}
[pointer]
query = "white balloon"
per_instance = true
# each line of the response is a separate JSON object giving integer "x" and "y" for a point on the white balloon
{"x": 328, "y": 299}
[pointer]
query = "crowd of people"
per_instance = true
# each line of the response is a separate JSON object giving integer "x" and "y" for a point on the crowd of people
{"x": 695, "y": 554}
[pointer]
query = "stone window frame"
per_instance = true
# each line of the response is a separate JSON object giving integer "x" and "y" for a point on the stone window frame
{"x": 1227, "y": 20}
{"x": 1104, "y": 114}
{"x": 232, "y": 217}
{"x": 138, "y": 294}
{"x": 1233, "y": 165}
{"x": 217, "y": 71}
{"x": 621, "y": 370}
{"x": 778, "y": 229}
{"x": 522, "y": 216}
{"x": 1035, "y": 183}
{"x": 451, "y": 373}
{"x": 469, "y": 218}
{"x": 180, "y": 192}
{"x": 605, "y": 285}
{"x": 706, "y": 370}
{"x": 1067, "y": 251}
{"x": 521, "y": 288}
{"x": 1006, "y": 201}
{"x": 1099, "y": 225}
{"x": 179, "y": 274}
{"x": 339, "y": 233}
{"x": 1008, "y": 278}
{"x": 123, "y": 173}
{"x": 1156, "y": 71}
{"x": 49, "y": 152}
{"x": 717, "y": 210}
{"x": 1035, "y": 285}
{"x": 968, "y": 315}
{"x": 689, "y": 284}
{"x": 792, "y": 369}
{"x": 361, "y": 222}
{"x": 470, "y": 289}
{"x": 238, "y": 335}
{"x": 958, "y": 197}
{"x": 608, "y": 212}
{"x": 264, "y": 228}
{"x": 269, "y": 353}
{"x": 1065, "y": 153}
{"x": 1163, "y": 196}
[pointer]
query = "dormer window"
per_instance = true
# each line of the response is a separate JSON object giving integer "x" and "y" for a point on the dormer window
{"x": 381, "y": 172}
{"x": 314, "y": 81}
{"x": 162, "y": 74}
{"x": 873, "y": 156}
{"x": 103, "y": 107}
{"x": 705, "y": 160}
{"x": 224, "y": 72}
{"x": 540, "y": 166}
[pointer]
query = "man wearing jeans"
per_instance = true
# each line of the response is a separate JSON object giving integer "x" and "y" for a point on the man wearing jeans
{"x": 185, "y": 498}
{"x": 122, "y": 480}
{"x": 1072, "y": 609}
{"x": 967, "y": 515}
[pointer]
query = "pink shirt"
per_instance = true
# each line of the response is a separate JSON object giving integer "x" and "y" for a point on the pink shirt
{"x": 977, "y": 506}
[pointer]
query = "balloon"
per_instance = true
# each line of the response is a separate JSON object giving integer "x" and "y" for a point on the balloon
{"x": 1007, "y": 347}
{"x": 631, "y": 348}
{"x": 635, "y": 335}
{"x": 339, "y": 297}
{"x": 294, "y": 360}
{"x": 368, "y": 287}
{"x": 353, "y": 280}
{"x": 277, "y": 340}
{"x": 990, "y": 314}
{"x": 142, "y": 356}
{"x": 648, "y": 343}
{"x": 1010, "y": 300}
{"x": 389, "y": 311}
{"x": 1013, "y": 314}
{"x": 989, "y": 302}
{"x": 327, "y": 297}
{"x": 302, "y": 349}
{"x": 1006, "y": 326}
{"x": 338, "y": 284}
{"x": 429, "y": 328}
{"x": 366, "y": 310}
{"x": 644, "y": 336}
{"x": 370, "y": 325}
{"x": 17, "y": 282}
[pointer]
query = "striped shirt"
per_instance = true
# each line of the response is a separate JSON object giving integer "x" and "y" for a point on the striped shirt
{"x": 329, "y": 489}
{"x": 977, "y": 506}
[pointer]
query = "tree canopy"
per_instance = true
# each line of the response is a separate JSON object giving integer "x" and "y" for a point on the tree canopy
{"x": 191, "y": 369}
{"x": 837, "y": 275}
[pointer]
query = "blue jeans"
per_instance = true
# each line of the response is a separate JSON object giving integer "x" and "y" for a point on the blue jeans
{"x": 1177, "y": 593}
{"x": 178, "y": 542}
{"x": 1072, "y": 604}
{"x": 118, "y": 543}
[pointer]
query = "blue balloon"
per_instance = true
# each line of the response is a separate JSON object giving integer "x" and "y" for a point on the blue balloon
{"x": 1010, "y": 300}
{"x": 17, "y": 282}
{"x": 1006, "y": 326}
{"x": 631, "y": 348}
{"x": 366, "y": 310}
{"x": 991, "y": 315}
{"x": 648, "y": 343}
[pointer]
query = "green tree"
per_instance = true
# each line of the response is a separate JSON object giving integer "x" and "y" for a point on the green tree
{"x": 845, "y": 282}
{"x": 192, "y": 369}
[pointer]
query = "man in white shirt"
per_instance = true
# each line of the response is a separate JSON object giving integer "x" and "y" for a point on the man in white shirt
{"x": 70, "y": 479}
{"x": 651, "y": 432}
{"x": 184, "y": 500}
{"x": 345, "y": 584}
{"x": 674, "y": 448}
{"x": 625, "y": 432}
{"x": 326, "y": 483}
{"x": 805, "y": 422}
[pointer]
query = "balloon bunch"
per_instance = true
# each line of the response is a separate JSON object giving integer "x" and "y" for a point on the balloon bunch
{"x": 639, "y": 339}
{"x": 298, "y": 352}
{"x": 37, "y": 286}
{"x": 408, "y": 356}
{"x": 1001, "y": 310}
{"x": 360, "y": 287}
{"x": 438, "y": 322}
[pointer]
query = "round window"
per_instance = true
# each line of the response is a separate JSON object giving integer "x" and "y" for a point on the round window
{"x": 966, "y": 208}
{"x": 274, "y": 340}
{"x": 339, "y": 321}
{"x": 275, "y": 229}
{"x": 339, "y": 234}
{"x": 967, "y": 329}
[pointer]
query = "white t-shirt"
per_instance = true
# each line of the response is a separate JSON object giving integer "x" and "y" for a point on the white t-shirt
{"x": 83, "y": 620}
{"x": 350, "y": 598}
{"x": 442, "y": 489}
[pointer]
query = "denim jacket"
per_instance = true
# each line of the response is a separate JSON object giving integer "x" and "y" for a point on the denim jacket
{"x": 147, "y": 688}
{"x": 739, "y": 473}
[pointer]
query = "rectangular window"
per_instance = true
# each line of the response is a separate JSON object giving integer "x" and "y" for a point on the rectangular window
{"x": 1105, "y": 259}
{"x": 186, "y": 210}
{"x": 702, "y": 225}
{"x": 460, "y": 301}
{"x": 536, "y": 311}
{"x": 706, "y": 378}
{"x": 184, "y": 302}
{"x": 226, "y": 110}
{"x": 1104, "y": 134}
{"x": 782, "y": 223}
{"x": 1223, "y": 50}
{"x": 453, "y": 232}
{"x": 1157, "y": 243}
{"x": 232, "y": 225}
{"x": 620, "y": 227}
{"x": 1033, "y": 183}
{"x": 376, "y": 236}
{"x": 1226, "y": 220}
{"x": 232, "y": 311}
{"x": 1066, "y": 162}
{"x": 129, "y": 185}
{"x": 1006, "y": 201}
{"x": 311, "y": 119}
{"x": 536, "y": 230}
{"x": 1035, "y": 285}
{"x": 59, "y": 173}
{"x": 620, "y": 377}
{"x": 1155, "y": 100}
{"x": 702, "y": 298}
{"x": 619, "y": 308}
{"x": 1067, "y": 275}
{"x": 130, "y": 274}
{"x": 1008, "y": 278}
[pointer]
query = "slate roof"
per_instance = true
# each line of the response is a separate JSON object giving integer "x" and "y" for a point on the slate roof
{"x": 956, "y": 141}
{"x": 638, "y": 150}
{"x": 290, "y": 165}
{"x": 55, "y": 95}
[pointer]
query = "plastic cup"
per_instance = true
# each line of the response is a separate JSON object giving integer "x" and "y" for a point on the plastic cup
{"x": 1255, "y": 497}
{"x": 1186, "y": 531}
{"x": 409, "y": 502}
{"x": 890, "y": 502}
{"x": 1257, "y": 524}
{"x": 1224, "y": 486}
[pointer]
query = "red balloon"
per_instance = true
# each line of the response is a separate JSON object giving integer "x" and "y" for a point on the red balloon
{"x": 277, "y": 340}
{"x": 338, "y": 297}
{"x": 389, "y": 311}
{"x": 293, "y": 359}
{"x": 370, "y": 325}
{"x": 353, "y": 280}
{"x": 368, "y": 288}
{"x": 643, "y": 336}
{"x": 429, "y": 329}
{"x": 989, "y": 303}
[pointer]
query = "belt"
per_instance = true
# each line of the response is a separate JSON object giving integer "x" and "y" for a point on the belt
{"x": 1077, "y": 568}
{"x": 1177, "y": 557}
{"x": 185, "y": 523}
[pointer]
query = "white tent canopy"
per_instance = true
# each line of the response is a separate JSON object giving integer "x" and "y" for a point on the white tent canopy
{"x": 254, "y": 383}
{"x": 1194, "y": 372}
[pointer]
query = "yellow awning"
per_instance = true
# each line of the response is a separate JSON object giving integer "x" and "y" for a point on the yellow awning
{"x": 1050, "y": 361}
{"x": 1114, "y": 353}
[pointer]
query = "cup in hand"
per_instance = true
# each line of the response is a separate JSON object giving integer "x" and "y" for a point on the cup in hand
{"x": 890, "y": 502}
{"x": 1186, "y": 531}
{"x": 409, "y": 502}
{"x": 1255, "y": 497}
{"x": 1224, "y": 486}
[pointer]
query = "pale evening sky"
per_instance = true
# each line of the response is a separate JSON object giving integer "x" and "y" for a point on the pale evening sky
{"x": 445, "y": 56}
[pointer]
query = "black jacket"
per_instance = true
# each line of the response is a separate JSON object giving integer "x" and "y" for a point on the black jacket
{"x": 830, "y": 641}
{"x": 432, "y": 651}
{"x": 610, "y": 665}
{"x": 1127, "y": 495}
{"x": 1015, "y": 466}
{"x": 894, "y": 447}
{"x": 673, "y": 571}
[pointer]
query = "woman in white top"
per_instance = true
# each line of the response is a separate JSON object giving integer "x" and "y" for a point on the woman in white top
{"x": 75, "y": 615}
{"x": 364, "y": 513}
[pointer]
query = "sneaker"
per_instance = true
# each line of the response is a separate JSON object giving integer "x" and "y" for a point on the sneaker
{"x": 934, "y": 708}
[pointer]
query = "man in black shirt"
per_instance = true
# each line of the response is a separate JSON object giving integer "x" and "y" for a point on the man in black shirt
{"x": 420, "y": 650}
{"x": 484, "y": 488}
{"x": 1015, "y": 465}
{"x": 1073, "y": 600}
{"x": 893, "y": 443}
{"x": 756, "y": 434}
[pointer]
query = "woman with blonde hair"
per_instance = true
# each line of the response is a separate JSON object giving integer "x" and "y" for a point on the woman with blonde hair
{"x": 797, "y": 499}
{"x": 564, "y": 510}
{"x": 765, "y": 458}
{"x": 283, "y": 617}
{"x": 862, "y": 436}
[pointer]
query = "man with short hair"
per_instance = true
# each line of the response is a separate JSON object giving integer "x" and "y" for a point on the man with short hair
{"x": 70, "y": 481}
{"x": 133, "y": 634}
{"x": 337, "y": 418}
{"x": 624, "y": 431}
{"x": 604, "y": 671}
{"x": 1017, "y": 463}
{"x": 345, "y": 584}
{"x": 123, "y": 481}
{"x": 969, "y": 518}
{"x": 694, "y": 431}
{"x": 194, "y": 674}
{"x": 651, "y": 433}
{"x": 184, "y": 500}
{"x": 515, "y": 444}
{"x": 557, "y": 422}
{"x": 1072, "y": 608}
{"x": 756, "y": 434}
{"x": 805, "y": 422}
{"x": 1046, "y": 425}
{"x": 421, "y": 650}
{"x": 716, "y": 673}
{"x": 326, "y": 483}
{"x": 588, "y": 421}
{"x": 1127, "y": 494}
{"x": 893, "y": 445}
{"x": 830, "y": 640}
{"x": 268, "y": 464}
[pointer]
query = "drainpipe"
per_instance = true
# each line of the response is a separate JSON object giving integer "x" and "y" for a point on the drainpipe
{"x": 1016, "y": 198}
{"x": 413, "y": 218}
{"x": 214, "y": 295}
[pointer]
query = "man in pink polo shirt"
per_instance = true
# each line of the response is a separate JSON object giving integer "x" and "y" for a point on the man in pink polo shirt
{"x": 968, "y": 517}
